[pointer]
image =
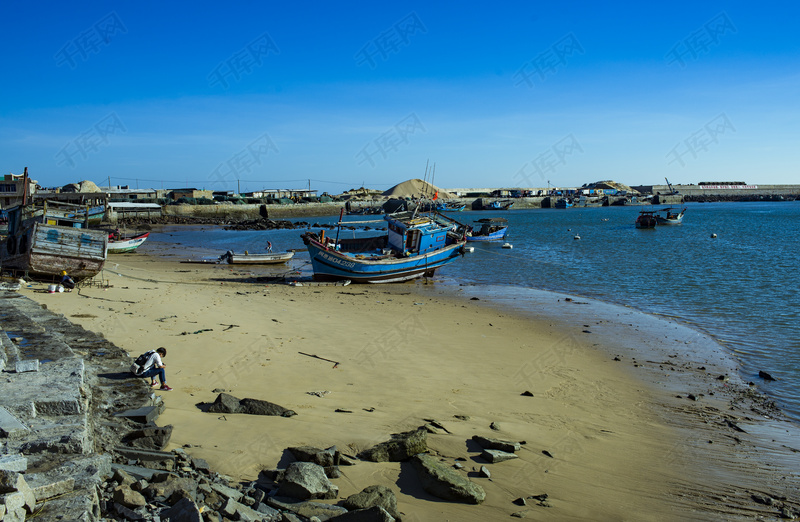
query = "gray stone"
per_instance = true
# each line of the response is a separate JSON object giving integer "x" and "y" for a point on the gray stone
{"x": 45, "y": 487}
{"x": 155, "y": 438}
{"x": 122, "y": 477}
{"x": 227, "y": 492}
{"x": 305, "y": 480}
{"x": 200, "y": 464}
{"x": 444, "y": 483}
{"x": 144, "y": 454}
{"x": 11, "y": 481}
{"x": 226, "y": 403}
{"x": 143, "y": 415}
{"x": 238, "y": 511}
{"x": 495, "y": 456}
{"x": 136, "y": 472}
{"x": 27, "y": 365}
{"x": 373, "y": 496}
{"x": 165, "y": 484}
{"x": 402, "y": 446}
{"x": 373, "y": 514}
{"x": 16, "y": 515}
{"x": 321, "y": 457}
{"x": 10, "y": 426}
{"x": 306, "y": 509}
{"x": 13, "y": 501}
{"x": 183, "y": 511}
{"x": 484, "y": 472}
{"x": 13, "y": 463}
{"x": 57, "y": 407}
{"x": 2, "y": 506}
{"x": 496, "y": 444}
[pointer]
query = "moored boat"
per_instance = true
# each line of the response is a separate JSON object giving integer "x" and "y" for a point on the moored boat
{"x": 499, "y": 205}
{"x": 646, "y": 219}
{"x": 255, "y": 259}
{"x": 492, "y": 229}
{"x": 45, "y": 240}
{"x": 669, "y": 217}
{"x": 122, "y": 245}
{"x": 413, "y": 246}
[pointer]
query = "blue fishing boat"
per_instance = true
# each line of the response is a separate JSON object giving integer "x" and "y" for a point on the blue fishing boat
{"x": 499, "y": 205}
{"x": 413, "y": 246}
{"x": 492, "y": 229}
{"x": 450, "y": 207}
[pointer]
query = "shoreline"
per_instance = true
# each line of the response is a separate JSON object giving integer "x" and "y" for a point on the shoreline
{"x": 568, "y": 430}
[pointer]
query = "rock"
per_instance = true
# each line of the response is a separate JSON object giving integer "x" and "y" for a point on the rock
{"x": 444, "y": 483}
{"x": 547, "y": 454}
{"x": 462, "y": 417}
{"x": 183, "y": 511}
{"x": 373, "y": 514}
{"x": 27, "y": 365}
{"x": 520, "y": 502}
{"x": 16, "y": 462}
{"x": 305, "y": 508}
{"x": 767, "y": 501}
{"x": 305, "y": 480}
{"x": 321, "y": 457}
{"x": 497, "y": 444}
{"x": 165, "y": 484}
{"x": 495, "y": 456}
{"x": 237, "y": 511}
{"x": 764, "y": 375}
{"x": 484, "y": 472}
{"x": 149, "y": 438}
{"x": 226, "y": 403}
{"x": 494, "y": 426}
{"x": 128, "y": 497}
{"x": 402, "y": 446}
{"x": 13, "y": 482}
{"x": 373, "y": 496}
{"x": 520, "y": 514}
{"x": 527, "y": 394}
{"x": 122, "y": 477}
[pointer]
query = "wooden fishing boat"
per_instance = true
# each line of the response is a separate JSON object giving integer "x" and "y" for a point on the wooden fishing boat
{"x": 255, "y": 259}
{"x": 413, "y": 246}
{"x": 646, "y": 219}
{"x": 669, "y": 217}
{"x": 122, "y": 245}
{"x": 492, "y": 229}
{"x": 44, "y": 240}
{"x": 499, "y": 205}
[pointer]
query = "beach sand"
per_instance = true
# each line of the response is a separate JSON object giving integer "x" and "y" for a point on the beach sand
{"x": 407, "y": 353}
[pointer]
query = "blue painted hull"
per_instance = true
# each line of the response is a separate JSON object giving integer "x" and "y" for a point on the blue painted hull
{"x": 330, "y": 265}
{"x": 494, "y": 236}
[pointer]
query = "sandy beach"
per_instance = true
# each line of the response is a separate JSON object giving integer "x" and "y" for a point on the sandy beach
{"x": 622, "y": 444}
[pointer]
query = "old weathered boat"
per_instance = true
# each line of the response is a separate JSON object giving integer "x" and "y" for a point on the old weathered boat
{"x": 492, "y": 229}
{"x": 669, "y": 217}
{"x": 255, "y": 259}
{"x": 414, "y": 245}
{"x": 44, "y": 240}
{"x": 122, "y": 245}
{"x": 646, "y": 219}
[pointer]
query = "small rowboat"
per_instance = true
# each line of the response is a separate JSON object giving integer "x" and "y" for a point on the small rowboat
{"x": 255, "y": 259}
{"x": 118, "y": 246}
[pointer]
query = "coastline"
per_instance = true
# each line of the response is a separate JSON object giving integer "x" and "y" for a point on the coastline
{"x": 619, "y": 446}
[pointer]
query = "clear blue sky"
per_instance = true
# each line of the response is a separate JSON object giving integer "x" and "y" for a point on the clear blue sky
{"x": 263, "y": 94}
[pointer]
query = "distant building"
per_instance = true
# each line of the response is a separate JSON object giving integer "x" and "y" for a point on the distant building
{"x": 12, "y": 189}
{"x": 189, "y": 193}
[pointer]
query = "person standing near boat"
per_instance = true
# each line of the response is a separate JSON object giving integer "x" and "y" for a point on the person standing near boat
{"x": 154, "y": 367}
{"x": 269, "y": 247}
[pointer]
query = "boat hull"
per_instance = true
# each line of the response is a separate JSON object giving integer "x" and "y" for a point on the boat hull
{"x": 259, "y": 259}
{"x": 126, "y": 245}
{"x": 494, "y": 236}
{"x": 330, "y": 265}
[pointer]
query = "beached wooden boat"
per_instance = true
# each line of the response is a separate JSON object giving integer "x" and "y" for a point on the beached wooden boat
{"x": 669, "y": 217}
{"x": 413, "y": 246}
{"x": 45, "y": 240}
{"x": 255, "y": 259}
{"x": 492, "y": 229}
{"x": 646, "y": 219}
{"x": 122, "y": 245}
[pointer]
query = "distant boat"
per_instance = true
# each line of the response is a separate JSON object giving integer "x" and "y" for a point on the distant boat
{"x": 669, "y": 217}
{"x": 414, "y": 246}
{"x": 646, "y": 219}
{"x": 563, "y": 203}
{"x": 45, "y": 240}
{"x": 255, "y": 259}
{"x": 499, "y": 205}
{"x": 492, "y": 229}
{"x": 122, "y": 245}
{"x": 450, "y": 207}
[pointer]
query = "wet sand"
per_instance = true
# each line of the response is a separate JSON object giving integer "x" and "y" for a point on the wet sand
{"x": 623, "y": 445}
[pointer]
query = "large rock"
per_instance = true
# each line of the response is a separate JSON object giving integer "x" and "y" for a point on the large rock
{"x": 402, "y": 446}
{"x": 305, "y": 508}
{"x": 164, "y": 485}
{"x": 445, "y": 483}
{"x": 13, "y": 482}
{"x": 321, "y": 457}
{"x": 129, "y": 498}
{"x": 495, "y": 456}
{"x": 149, "y": 438}
{"x": 372, "y": 496}
{"x": 226, "y": 403}
{"x": 305, "y": 480}
{"x": 183, "y": 511}
{"x": 373, "y": 514}
{"x": 496, "y": 444}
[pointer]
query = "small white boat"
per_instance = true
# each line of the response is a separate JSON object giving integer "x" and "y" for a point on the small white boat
{"x": 508, "y": 245}
{"x": 255, "y": 259}
{"x": 118, "y": 246}
{"x": 669, "y": 217}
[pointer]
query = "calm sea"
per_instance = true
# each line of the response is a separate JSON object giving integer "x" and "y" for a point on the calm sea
{"x": 742, "y": 287}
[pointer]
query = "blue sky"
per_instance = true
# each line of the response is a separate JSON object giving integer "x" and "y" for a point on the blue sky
{"x": 252, "y": 95}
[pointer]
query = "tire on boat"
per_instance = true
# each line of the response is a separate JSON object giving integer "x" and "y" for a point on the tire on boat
{"x": 11, "y": 244}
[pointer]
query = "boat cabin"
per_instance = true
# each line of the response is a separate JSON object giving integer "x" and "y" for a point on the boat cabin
{"x": 410, "y": 235}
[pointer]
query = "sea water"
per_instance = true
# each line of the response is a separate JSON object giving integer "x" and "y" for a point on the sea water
{"x": 742, "y": 286}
